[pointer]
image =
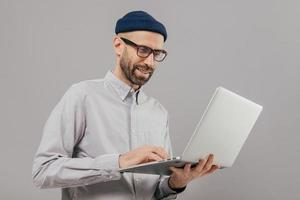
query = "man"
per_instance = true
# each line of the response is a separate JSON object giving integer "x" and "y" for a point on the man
{"x": 102, "y": 125}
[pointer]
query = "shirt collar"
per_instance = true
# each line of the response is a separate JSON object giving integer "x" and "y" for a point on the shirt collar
{"x": 123, "y": 89}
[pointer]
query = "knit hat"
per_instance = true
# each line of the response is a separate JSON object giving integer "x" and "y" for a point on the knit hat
{"x": 140, "y": 20}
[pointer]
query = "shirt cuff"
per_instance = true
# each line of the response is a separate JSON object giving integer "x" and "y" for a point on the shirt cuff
{"x": 164, "y": 185}
{"x": 110, "y": 164}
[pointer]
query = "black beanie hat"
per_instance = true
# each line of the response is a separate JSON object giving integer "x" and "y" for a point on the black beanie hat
{"x": 140, "y": 20}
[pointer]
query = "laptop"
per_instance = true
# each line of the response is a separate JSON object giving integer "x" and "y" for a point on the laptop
{"x": 222, "y": 131}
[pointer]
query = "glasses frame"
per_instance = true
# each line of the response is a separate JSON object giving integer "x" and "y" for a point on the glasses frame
{"x": 152, "y": 51}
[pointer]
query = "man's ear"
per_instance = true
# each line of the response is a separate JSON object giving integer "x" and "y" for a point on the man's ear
{"x": 118, "y": 46}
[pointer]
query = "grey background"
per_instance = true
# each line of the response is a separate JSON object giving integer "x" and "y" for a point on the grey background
{"x": 250, "y": 47}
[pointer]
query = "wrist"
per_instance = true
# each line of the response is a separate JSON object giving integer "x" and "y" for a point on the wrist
{"x": 176, "y": 187}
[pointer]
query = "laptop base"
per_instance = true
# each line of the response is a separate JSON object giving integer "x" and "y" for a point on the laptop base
{"x": 157, "y": 167}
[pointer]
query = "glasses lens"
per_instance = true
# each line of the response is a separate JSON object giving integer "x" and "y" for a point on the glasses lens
{"x": 144, "y": 52}
{"x": 159, "y": 55}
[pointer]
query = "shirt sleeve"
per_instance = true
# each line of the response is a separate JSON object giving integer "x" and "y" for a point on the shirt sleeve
{"x": 54, "y": 164}
{"x": 163, "y": 191}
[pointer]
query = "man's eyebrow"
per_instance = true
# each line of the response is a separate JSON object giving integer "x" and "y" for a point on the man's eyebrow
{"x": 150, "y": 47}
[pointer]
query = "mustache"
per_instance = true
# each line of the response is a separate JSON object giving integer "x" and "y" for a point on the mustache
{"x": 146, "y": 68}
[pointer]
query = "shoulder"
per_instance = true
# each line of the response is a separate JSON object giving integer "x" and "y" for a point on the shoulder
{"x": 79, "y": 91}
{"x": 84, "y": 87}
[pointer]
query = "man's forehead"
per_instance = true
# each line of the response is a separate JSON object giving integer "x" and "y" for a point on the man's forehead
{"x": 147, "y": 38}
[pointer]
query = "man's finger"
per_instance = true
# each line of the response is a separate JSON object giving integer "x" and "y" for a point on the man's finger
{"x": 203, "y": 166}
{"x": 153, "y": 157}
{"x": 209, "y": 163}
{"x": 176, "y": 170}
{"x": 187, "y": 168}
{"x": 160, "y": 152}
{"x": 212, "y": 169}
{"x": 199, "y": 166}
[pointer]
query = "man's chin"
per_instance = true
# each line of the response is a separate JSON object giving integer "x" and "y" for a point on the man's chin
{"x": 139, "y": 81}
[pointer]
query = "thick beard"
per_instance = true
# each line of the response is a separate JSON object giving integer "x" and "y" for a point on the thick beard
{"x": 129, "y": 71}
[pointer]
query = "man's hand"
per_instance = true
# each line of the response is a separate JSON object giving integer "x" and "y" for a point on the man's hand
{"x": 181, "y": 177}
{"x": 142, "y": 154}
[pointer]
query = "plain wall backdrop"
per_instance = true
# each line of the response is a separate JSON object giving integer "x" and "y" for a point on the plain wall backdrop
{"x": 250, "y": 47}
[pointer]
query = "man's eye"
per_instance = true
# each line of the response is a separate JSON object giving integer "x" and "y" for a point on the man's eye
{"x": 144, "y": 50}
{"x": 157, "y": 52}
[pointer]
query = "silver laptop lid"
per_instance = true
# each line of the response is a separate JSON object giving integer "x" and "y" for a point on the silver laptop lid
{"x": 223, "y": 128}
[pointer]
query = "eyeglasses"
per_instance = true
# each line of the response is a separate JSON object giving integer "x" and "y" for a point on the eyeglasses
{"x": 143, "y": 51}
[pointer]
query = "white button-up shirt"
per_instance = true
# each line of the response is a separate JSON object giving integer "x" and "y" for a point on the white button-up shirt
{"x": 94, "y": 122}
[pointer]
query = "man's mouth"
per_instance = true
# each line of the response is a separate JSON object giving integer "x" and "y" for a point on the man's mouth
{"x": 143, "y": 70}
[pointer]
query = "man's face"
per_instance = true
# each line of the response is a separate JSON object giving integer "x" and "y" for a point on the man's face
{"x": 136, "y": 69}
